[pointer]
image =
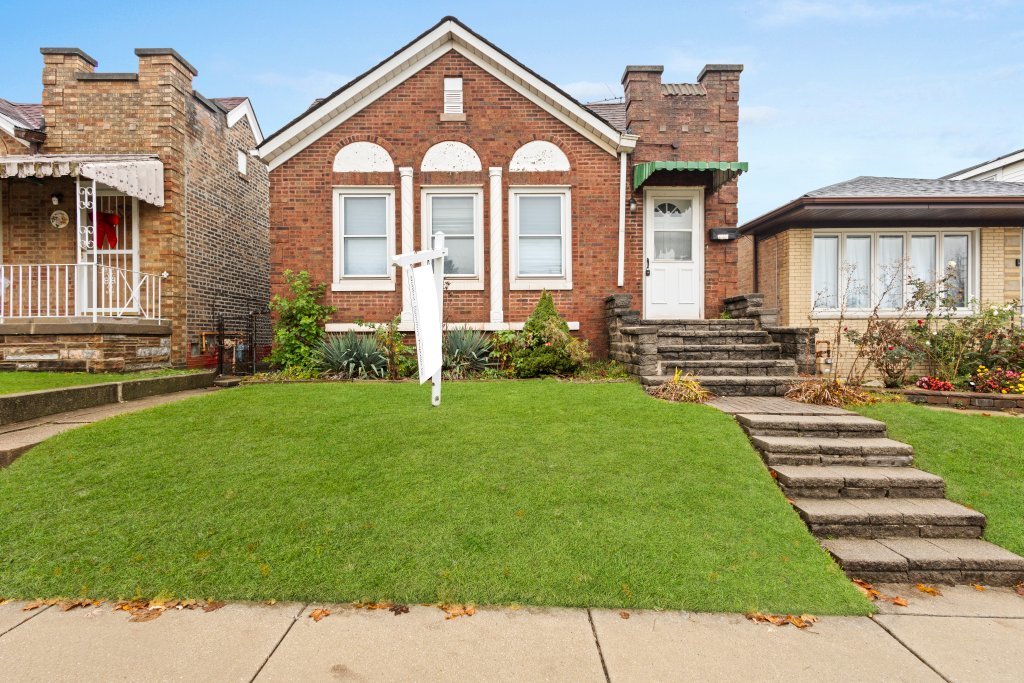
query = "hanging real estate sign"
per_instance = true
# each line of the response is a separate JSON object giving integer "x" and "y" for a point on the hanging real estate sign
{"x": 427, "y": 319}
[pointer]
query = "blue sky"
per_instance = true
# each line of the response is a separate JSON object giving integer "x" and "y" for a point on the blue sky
{"x": 831, "y": 90}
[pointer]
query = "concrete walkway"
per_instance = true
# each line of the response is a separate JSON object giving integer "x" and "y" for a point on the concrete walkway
{"x": 18, "y": 437}
{"x": 962, "y": 635}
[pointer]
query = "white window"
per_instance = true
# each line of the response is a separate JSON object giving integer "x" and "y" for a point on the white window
{"x": 243, "y": 161}
{"x": 453, "y": 96}
{"x": 364, "y": 239}
{"x": 540, "y": 238}
{"x": 874, "y": 268}
{"x": 458, "y": 213}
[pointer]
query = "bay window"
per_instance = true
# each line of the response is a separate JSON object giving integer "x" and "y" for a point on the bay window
{"x": 540, "y": 235}
{"x": 867, "y": 268}
{"x": 458, "y": 213}
{"x": 364, "y": 239}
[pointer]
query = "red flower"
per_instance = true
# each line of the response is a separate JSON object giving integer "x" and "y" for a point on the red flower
{"x": 920, "y": 322}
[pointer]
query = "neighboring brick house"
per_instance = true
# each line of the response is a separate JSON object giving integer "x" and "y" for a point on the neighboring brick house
{"x": 131, "y": 216}
{"x": 852, "y": 246}
{"x": 533, "y": 189}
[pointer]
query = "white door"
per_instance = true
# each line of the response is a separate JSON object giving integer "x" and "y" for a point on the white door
{"x": 673, "y": 254}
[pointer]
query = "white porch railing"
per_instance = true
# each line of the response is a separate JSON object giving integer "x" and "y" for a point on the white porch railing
{"x": 64, "y": 290}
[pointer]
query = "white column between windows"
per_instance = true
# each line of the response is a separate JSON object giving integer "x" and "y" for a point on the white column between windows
{"x": 497, "y": 274}
{"x": 407, "y": 241}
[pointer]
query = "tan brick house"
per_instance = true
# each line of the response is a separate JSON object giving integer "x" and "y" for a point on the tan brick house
{"x": 839, "y": 247}
{"x": 532, "y": 189}
{"x": 131, "y": 215}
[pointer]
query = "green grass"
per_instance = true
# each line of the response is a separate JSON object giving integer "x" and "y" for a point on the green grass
{"x": 16, "y": 382}
{"x": 981, "y": 457}
{"x": 538, "y": 492}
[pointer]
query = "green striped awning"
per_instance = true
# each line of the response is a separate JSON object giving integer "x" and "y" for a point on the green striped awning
{"x": 644, "y": 170}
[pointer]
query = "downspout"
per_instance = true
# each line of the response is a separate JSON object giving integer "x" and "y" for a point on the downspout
{"x": 622, "y": 219}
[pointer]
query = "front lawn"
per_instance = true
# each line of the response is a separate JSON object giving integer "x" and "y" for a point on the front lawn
{"x": 16, "y": 382}
{"x": 981, "y": 457}
{"x": 536, "y": 492}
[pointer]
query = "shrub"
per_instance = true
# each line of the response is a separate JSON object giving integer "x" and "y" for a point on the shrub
{"x": 828, "y": 392}
{"x": 933, "y": 384}
{"x": 537, "y": 325}
{"x": 506, "y": 347}
{"x": 353, "y": 355}
{"x": 299, "y": 326}
{"x": 951, "y": 343}
{"x": 681, "y": 389}
{"x": 391, "y": 341}
{"x": 466, "y": 352}
{"x": 547, "y": 347}
{"x": 888, "y": 347}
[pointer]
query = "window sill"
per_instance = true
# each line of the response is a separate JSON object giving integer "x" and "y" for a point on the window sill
{"x": 368, "y": 285}
{"x": 453, "y": 117}
{"x": 574, "y": 326}
{"x": 531, "y": 284}
{"x": 469, "y": 284}
{"x": 864, "y": 315}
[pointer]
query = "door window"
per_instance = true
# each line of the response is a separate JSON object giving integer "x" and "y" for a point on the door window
{"x": 673, "y": 231}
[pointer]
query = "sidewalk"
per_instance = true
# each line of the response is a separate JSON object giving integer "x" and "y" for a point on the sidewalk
{"x": 962, "y": 635}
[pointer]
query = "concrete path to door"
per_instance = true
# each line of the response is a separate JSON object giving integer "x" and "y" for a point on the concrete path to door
{"x": 962, "y": 635}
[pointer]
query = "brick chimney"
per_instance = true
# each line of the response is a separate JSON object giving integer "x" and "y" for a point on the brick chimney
{"x": 642, "y": 87}
{"x": 722, "y": 81}
{"x": 60, "y": 64}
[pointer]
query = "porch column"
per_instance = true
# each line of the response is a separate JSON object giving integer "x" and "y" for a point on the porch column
{"x": 407, "y": 231}
{"x": 497, "y": 274}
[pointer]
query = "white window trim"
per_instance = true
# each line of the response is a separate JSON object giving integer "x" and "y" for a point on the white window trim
{"x": 973, "y": 266}
{"x": 243, "y": 162}
{"x": 523, "y": 282}
{"x": 457, "y": 282}
{"x": 362, "y": 283}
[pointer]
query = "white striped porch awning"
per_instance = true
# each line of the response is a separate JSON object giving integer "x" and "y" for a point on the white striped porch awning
{"x": 137, "y": 175}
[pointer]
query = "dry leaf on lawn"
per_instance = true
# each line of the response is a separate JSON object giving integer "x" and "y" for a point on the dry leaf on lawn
{"x": 928, "y": 590}
{"x": 213, "y": 606}
{"x": 456, "y": 611}
{"x": 399, "y": 609}
{"x": 319, "y": 613}
{"x": 146, "y": 614}
{"x": 867, "y": 589}
{"x": 624, "y": 615}
{"x": 39, "y": 603}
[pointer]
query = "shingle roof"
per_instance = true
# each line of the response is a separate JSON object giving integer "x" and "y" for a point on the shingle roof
{"x": 871, "y": 186}
{"x": 683, "y": 89}
{"x": 228, "y": 103}
{"x": 25, "y": 115}
{"x": 612, "y": 112}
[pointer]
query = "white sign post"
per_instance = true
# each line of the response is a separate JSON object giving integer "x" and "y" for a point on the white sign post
{"x": 423, "y": 274}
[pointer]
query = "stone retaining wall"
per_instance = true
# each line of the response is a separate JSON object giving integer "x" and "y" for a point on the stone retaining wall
{"x": 633, "y": 345}
{"x": 84, "y": 347}
{"x": 963, "y": 399}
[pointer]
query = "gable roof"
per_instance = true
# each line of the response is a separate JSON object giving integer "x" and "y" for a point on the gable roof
{"x": 867, "y": 201}
{"x": 28, "y": 116}
{"x": 612, "y": 112}
{"x": 238, "y": 108}
{"x": 448, "y": 34}
{"x": 991, "y": 164}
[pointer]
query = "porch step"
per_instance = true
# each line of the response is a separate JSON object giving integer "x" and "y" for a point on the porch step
{"x": 673, "y": 350}
{"x": 798, "y": 450}
{"x": 830, "y": 427}
{"x": 931, "y": 560}
{"x": 770, "y": 367}
{"x": 725, "y": 324}
{"x": 713, "y": 337}
{"x": 731, "y": 385}
{"x": 889, "y": 518}
{"x": 841, "y": 481}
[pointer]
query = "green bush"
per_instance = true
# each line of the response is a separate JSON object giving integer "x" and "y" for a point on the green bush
{"x": 536, "y": 326}
{"x": 353, "y": 355}
{"x": 299, "y": 325}
{"x": 466, "y": 352}
{"x": 547, "y": 347}
{"x": 400, "y": 356}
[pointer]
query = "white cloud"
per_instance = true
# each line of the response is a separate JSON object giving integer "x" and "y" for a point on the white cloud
{"x": 753, "y": 115}
{"x": 588, "y": 91}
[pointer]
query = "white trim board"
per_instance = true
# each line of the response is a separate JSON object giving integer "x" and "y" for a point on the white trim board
{"x": 403, "y": 327}
{"x": 244, "y": 109}
{"x": 10, "y": 126}
{"x": 987, "y": 167}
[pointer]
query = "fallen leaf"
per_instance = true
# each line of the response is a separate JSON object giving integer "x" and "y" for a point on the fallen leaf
{"x": 898, "y": 601}
{"x": 762, "y": 618}
{"x": 68, "y": 605}
{"x": 399, "y": 609}
{"x": 271, "y": 602}
{"x": 372, "y": 605}
{"x": 456, "y": 611}
{"x": 1019, "y": 589}
{"x": 928, "y": 590}
{"x": 624, "y": 615}
{"x": 802, "y": 621}
{"x": 867, "y": 589}
{"x": 977, "y": 587}
{"x": 143, "y": 615}
{"x": 319, "y": 613}
{"x": 626, "y": 590}
{"x": 39, "y": 603}
{"x": 213, "y": 606}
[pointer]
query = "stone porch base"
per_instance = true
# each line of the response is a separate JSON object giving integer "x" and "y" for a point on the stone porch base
{"x": 82, "y": 345}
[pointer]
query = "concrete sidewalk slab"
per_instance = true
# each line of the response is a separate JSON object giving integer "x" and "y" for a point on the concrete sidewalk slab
{"x": 99, "y": 644}
{"x": 12, "y": 614}
{"x": 652, "y": 646}
{"x": 955, "y": 601}
{"x": 964, "y": 648}
{"x": 494, "y": 644}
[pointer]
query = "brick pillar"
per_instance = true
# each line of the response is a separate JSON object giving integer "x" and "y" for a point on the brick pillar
{"x": 60, "y": 64}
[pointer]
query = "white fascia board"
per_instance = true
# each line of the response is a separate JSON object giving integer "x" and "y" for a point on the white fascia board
{"x": 574, "y": 326}
{"x": 991, "y": 166}
{"x": 10, "y": 126}
{"x": 244, "y": 109}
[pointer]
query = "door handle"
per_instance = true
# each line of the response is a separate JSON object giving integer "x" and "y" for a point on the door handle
{"x": 647, "y": 270}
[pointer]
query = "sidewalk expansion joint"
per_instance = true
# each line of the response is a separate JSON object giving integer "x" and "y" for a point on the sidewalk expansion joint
{"x": 280, "y": 640}
{"x": 597, "y": 642}
{"x": 35, "y": 614}
{"x": 910, "y": 650}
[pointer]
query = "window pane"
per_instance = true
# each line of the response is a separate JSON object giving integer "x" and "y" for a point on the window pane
{"x": 451, "y": 215}
{"x": 365, "y": 215}
{"x": 922, "y": 257}
{"x": 890, "y": 270}
{"x": 673, "y": 245}
{"x": 461, "y": 257}
{"x": 857, "y": 272}
{"x": 366, "y": 256}
{"x": 540, "y": 255}
{"x": 541, "y": 215}
{"x": 954, "y": 253}
{"x": 825, "y": 264}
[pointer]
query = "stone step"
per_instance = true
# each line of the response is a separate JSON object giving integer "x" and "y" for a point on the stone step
{"x": 731, "y": 386}
{"x": 767, "y": 368}
{"x": 927, "y": 560}
{"x": 712, "y": 337}
{"x": 839, "y": 481}
{"x": 830, "y": 427}
{"x": 677, "y": 351}
{"x": 804, "y": 450}
{"x": 889, "y": 518}
{"x": 713, "y": 324}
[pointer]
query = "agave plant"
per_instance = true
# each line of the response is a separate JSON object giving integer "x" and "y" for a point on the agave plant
{"x": 466, "y": 352}
{"x": 353, "y": 355}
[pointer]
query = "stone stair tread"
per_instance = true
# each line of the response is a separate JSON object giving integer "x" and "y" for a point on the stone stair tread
{"x": 903, "y": 554}
{"x": 829, "y": 446}
{"x": 720, "y": 380}
{"x": 705, "y": 334}
{"x": 768, "y": 346}
{"x": 812, "y": 422}
{"x": 734, "y": 363}
{"x": 893, "y": 511}
{"x": 858, "y": 477}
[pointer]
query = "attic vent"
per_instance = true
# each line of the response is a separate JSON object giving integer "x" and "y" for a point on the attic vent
{"x": 453, "y": 96}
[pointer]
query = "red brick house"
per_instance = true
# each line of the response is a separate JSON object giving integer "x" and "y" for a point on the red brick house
{"x": 131, "y": 215}
{"x": 532, "y": 189}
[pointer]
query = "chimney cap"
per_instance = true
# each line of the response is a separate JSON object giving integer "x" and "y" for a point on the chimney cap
{"x": 718, "y": 67}
{"x": 75, "y": 51}
{"x": 642, "y": 68}
{"x": 157, "y": 51}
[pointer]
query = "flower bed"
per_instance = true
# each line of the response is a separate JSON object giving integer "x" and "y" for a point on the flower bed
{"x": 963, "y": 399}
